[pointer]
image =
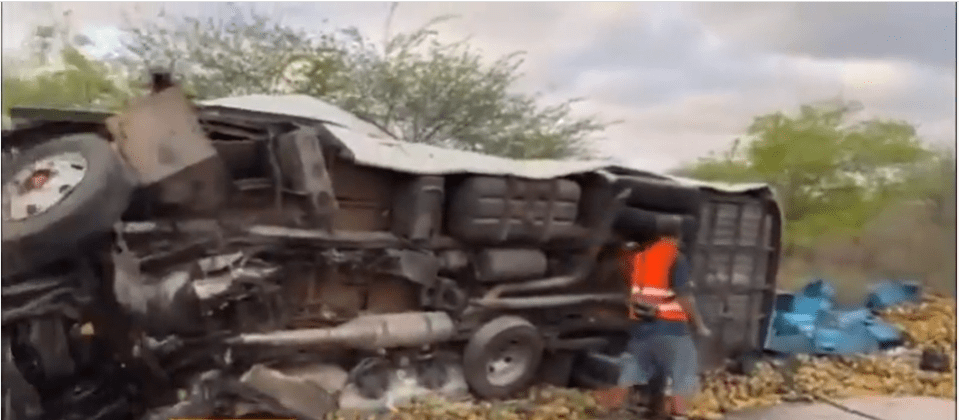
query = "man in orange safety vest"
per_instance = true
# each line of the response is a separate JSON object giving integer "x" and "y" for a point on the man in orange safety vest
{"x": 661, "y": 352}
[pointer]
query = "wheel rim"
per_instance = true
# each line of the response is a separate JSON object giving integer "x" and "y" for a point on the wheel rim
{"x": 42, "y": 185}
{"x": 509, "y": 364}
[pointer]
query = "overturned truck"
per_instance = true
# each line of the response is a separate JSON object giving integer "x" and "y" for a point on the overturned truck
{"x": 275, "y": 255}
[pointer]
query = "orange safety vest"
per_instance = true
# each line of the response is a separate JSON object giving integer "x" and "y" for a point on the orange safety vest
{"x": 649, "y": 277}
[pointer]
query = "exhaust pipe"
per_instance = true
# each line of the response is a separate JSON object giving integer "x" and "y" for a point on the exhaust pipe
{"x": 369, "y": 332}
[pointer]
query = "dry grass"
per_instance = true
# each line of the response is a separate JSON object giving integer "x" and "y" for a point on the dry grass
{"x": 903, "y": 243}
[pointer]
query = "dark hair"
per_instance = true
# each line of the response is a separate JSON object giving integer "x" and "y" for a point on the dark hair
{"x": 669, "y": 226}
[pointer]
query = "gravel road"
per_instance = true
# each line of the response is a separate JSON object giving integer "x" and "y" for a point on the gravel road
{"x": 885, "y": 408}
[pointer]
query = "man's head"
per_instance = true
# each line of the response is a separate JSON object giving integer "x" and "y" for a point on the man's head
{"x": 669, "y": 226}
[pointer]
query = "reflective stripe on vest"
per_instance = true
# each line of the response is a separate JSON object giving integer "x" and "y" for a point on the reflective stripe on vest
{"x": 650, "y": 280}
{"x": 654, "y": 291}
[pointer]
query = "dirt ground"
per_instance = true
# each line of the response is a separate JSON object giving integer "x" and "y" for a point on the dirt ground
{"x": 885, "y": 408}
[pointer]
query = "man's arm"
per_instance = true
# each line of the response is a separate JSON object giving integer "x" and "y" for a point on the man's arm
{"x": 688, "y": 302}
{"x": 684, "y": 295}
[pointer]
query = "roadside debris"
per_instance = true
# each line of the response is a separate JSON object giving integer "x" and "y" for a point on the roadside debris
{"x": 928, "y": 327}
{"x": 304, "y": 397}
{"x": 808, "y": 322}
{"x": 886, "y": 294}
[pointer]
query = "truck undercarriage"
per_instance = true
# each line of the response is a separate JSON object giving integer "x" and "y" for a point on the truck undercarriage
{"x": 230, "y": 260}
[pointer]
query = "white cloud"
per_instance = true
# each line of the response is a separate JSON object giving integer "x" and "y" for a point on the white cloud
{"x": 875, "y": 78}
{"x": 709, "y": 70}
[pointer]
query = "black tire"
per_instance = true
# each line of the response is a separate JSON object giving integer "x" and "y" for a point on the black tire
{"x": 509, "y": 340}
{"x": 93, "y": 206}
{"x": 661, "y": 195}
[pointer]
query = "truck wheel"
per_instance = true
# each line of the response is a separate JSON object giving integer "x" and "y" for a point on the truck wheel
{"x": 59, "y": 192}
{"x": 502, "y": 357}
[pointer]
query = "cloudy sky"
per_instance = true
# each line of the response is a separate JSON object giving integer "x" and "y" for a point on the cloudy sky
{"x": 685, "y": 78}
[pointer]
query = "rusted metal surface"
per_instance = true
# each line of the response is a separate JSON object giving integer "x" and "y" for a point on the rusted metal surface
{"x": 304, "y": 169}
{"x": 364, "y": 196}
{"x": 325, "y": 295}
{"x": 417, "y": 212}
{"x": 159, "y": 135}
{"x": 161, "y": 139}
{"x": 415, "y": 266}
{"x": 392, "y": 295}
{"x": 494, "y": 265}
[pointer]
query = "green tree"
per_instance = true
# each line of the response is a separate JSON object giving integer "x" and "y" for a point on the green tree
{"x": 64, "y": 77}
{"x": 831, "y": 174}
{"x": 730, "y": 166}
{"x": 412, "y": 85}
{"x": 426, "y": 91}
{"x": 240, "y": 55}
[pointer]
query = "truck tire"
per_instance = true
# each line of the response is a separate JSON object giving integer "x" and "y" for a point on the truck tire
{"x": 60, "y": 192}
{"x": 502, "y": 357}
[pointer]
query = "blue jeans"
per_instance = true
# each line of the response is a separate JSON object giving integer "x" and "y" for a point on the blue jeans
{"x": 654, "y": 357}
